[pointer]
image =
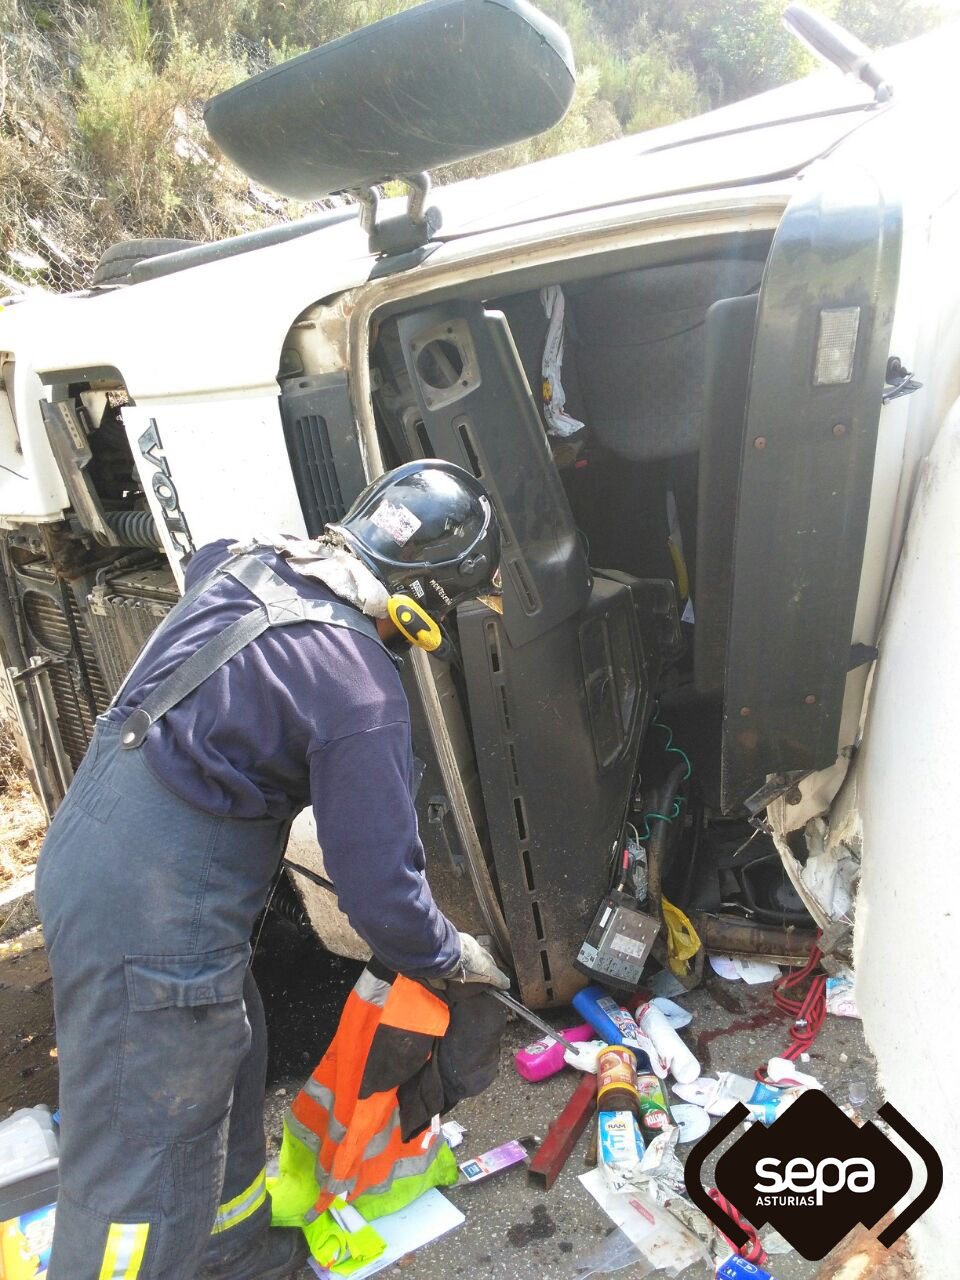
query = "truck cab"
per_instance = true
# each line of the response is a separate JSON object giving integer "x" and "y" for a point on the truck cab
{"x": 692, "y": 368}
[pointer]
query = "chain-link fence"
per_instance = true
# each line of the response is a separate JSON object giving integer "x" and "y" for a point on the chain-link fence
{"x": 39, "y": 260}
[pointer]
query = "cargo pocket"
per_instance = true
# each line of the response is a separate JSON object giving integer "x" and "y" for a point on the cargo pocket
{"x": 185, "y": 1035}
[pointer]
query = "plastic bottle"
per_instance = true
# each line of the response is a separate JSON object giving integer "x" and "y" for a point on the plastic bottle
{"x": 544, "y": 1058}
{"x": 670, "y": 1053}
{"x": 613, "y": 1022}
{"x": 653, "y": 1110}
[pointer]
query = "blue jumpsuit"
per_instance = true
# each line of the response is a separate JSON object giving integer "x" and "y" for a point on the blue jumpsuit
{"x": 153, "y": 872}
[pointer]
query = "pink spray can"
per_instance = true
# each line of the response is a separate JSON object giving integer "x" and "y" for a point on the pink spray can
{"x": 544, "y": 1057}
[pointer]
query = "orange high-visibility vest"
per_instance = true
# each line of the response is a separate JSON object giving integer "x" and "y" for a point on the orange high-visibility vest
{"x": 355, "y": 1131}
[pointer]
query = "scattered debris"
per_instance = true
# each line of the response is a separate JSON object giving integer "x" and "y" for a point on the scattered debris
{"x": 692, "y": 1122}
{"x": 764, "y": 1100}
{"x": 453, "y": 1132}
{"x": 662, "y": 1241}
{"x": 831, "y": 871}
{"x": 839, "y": 995}
{"x": 739, "y": 1269}
{"x": 503, "y": 1157}
{"x": 563, "y": 1133}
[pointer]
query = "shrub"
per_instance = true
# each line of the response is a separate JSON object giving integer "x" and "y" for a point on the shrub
{"x": 139, "y": 127}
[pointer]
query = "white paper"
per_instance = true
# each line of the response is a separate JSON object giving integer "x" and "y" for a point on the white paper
{"x": 674, "y": 1013}
{"x": 725, "y": 967}
{"x": 421, "y": 1222}
{"x": 754, "y": 971}
{"x": 454, "y": 1132}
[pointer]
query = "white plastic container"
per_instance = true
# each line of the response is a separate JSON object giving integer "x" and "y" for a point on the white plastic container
{"x": 29, "y": 1155}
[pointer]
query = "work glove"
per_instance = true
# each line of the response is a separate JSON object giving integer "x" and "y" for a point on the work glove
{"x": 477, "y": 965}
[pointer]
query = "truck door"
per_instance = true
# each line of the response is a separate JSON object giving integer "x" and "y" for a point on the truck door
{"x": 816, "y": 376}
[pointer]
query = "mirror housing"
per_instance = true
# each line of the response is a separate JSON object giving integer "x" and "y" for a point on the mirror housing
{"x": 443, "y": 82}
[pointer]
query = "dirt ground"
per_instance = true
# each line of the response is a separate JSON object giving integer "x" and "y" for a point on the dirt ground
{"x": 22, "y": 821}
{"x": 513, "y": 1230}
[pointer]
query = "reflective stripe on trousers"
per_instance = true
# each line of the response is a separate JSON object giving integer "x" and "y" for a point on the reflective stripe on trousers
{"x": 242, "y": 1206}
{"x": 124, "y": 1252}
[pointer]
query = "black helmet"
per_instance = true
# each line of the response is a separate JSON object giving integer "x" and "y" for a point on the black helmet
{"x": 428, "y": 529}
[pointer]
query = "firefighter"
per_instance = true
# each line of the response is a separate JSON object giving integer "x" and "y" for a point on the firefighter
{"x": 272, "y": 684}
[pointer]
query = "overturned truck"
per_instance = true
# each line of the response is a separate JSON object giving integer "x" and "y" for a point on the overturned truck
{"x": 692, "y": 369}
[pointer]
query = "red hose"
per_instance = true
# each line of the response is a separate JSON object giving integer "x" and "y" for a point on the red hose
{"x": 808, "y": 1011}
{"x": 753, "y": 1250}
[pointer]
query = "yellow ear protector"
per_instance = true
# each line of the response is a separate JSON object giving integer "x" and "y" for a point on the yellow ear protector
{"x": 414, "y": 623}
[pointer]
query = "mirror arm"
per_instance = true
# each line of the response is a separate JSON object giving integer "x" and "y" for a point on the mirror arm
{"x": 400, "y": 233}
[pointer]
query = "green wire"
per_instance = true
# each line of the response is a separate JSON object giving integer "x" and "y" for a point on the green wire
{"x": 678, "y": 800}
{"x": 663, "y": 817}
{"x": 670, "y": 748}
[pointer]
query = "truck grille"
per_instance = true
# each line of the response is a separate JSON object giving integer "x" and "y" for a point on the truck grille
{"x": 121, "y": 626}
{"x": 51, "y": 633}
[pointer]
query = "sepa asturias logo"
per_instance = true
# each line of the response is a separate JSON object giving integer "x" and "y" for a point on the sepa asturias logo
{"x": 802, "y": 1183}
{"x": 813, "y": 1174}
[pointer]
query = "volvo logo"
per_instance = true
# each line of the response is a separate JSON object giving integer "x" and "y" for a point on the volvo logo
{"x": 165, "y": 491}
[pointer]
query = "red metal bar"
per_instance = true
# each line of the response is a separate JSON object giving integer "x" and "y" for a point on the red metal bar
{"x": 551, "y": 1155}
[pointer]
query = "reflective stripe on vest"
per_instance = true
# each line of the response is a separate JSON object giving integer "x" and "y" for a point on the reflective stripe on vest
{"x": 404, "y": 1167}
{"x": 357, "y": 1140}
{"x": 123, "y": 1254}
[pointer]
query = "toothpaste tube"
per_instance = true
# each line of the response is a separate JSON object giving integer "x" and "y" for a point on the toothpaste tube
{"x": 490, "y": 1162}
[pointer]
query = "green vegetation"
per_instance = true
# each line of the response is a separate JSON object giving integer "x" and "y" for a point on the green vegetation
{"x": 101, "y": 134}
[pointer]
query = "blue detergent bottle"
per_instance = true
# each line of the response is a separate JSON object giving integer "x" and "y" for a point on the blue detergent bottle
{"x": 610, "y": 1020}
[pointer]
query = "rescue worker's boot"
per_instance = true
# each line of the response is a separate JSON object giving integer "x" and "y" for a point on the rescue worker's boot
{"x": 278, "y": 1252}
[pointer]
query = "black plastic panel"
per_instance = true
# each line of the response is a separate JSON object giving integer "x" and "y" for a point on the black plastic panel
{"x": 729, "y": 346}
{"x": 805, "y": 481}
{"x": 477, "y": 411}
{"x": 321, "y": 438}
{"x": 557, "y": 725}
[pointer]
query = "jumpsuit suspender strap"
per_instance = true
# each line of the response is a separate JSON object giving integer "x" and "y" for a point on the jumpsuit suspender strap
{"x": 182, "y": 605}
{"x": 279, "y": 605}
